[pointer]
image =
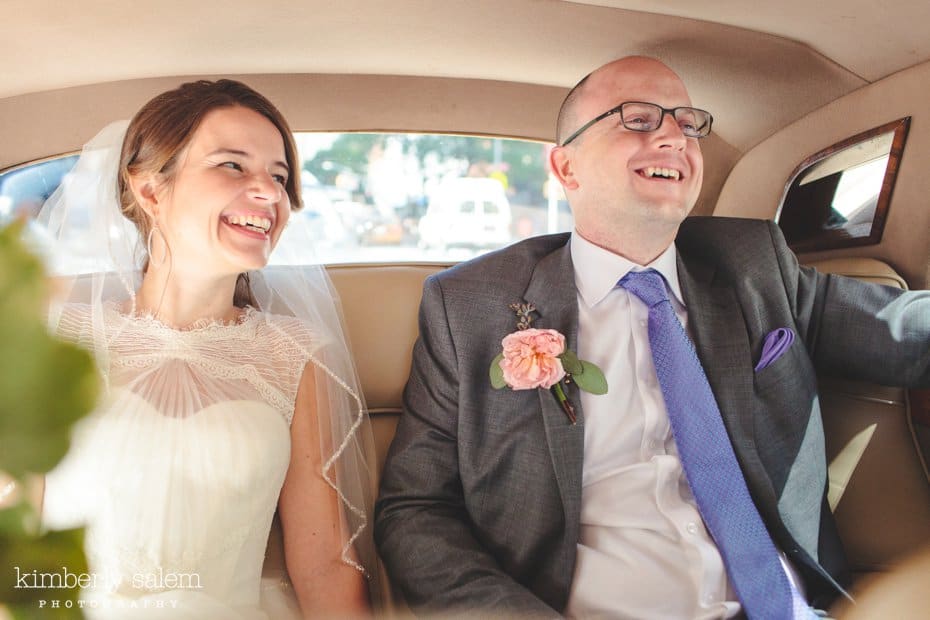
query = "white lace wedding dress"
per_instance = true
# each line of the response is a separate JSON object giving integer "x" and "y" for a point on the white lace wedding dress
{"x": 177, "y": 474}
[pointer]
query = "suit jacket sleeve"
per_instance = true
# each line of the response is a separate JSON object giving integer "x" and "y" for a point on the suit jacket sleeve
{"x": 422, "y": 526}
{"x": 858, "y": 330}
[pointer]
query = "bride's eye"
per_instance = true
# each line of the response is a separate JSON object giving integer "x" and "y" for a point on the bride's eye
{"x": 279, "y": 178}
{"x": 231, "y": 165}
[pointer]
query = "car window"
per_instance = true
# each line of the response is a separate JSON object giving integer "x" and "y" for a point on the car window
{"x": 840, "y": 196}
{"x": 23, "y": 189}
{"x": 378, "y": 197}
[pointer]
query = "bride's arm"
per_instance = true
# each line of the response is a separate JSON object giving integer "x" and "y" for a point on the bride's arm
{"x": 311, "y": 517}
{"x": 11, "y": 490}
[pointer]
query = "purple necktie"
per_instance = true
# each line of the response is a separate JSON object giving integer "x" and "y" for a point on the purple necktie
{"x": 710, "y": 465}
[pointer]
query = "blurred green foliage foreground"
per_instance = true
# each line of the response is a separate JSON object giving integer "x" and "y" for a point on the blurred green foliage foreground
{"x": 46, "y": 385}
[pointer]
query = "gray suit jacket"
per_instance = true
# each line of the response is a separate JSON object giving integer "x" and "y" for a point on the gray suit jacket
{"x": 481, "y": 495}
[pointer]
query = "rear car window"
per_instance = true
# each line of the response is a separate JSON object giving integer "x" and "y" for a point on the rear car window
{"x": 840, "y": 197}
{"x": 384, "y": 197}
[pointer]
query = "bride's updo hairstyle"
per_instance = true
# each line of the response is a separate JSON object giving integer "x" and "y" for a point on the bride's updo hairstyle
{"x": 162, "y": 129}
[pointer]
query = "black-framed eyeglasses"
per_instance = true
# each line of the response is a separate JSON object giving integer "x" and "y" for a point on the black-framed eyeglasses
{"x": 645, "y": 117}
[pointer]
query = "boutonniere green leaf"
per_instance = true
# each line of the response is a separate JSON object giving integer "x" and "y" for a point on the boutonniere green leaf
{"x": 587, "y": 376}
{"x": 497, "y": 373}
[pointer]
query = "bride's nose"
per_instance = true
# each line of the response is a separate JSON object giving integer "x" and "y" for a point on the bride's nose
{"x": 263, "y": 187}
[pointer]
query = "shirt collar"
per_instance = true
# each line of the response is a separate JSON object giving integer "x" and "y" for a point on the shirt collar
{"x": 597, "y": 270}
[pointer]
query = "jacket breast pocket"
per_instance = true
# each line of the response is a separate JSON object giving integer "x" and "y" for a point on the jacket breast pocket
{"x": 792, "y": 368}
{"x": 786, "y": 416}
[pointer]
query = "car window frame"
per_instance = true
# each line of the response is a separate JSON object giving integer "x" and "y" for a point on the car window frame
{"x": 837, "y": 239}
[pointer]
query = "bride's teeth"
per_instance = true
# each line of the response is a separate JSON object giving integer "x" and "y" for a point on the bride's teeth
{"x": 252, "y": 221}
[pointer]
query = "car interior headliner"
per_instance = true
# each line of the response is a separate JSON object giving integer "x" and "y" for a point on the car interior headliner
{"x": 757, "y": 66}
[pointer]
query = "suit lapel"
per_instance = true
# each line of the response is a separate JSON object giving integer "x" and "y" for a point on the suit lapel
{"x": 552, "y": 290}
{"x": 715, "y": 321}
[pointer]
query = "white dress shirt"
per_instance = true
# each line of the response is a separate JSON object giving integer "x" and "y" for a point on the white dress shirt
{"x": 643, "y": 550}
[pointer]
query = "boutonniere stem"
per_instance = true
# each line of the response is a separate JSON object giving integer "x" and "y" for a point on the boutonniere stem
{"x": 566, "y": 404}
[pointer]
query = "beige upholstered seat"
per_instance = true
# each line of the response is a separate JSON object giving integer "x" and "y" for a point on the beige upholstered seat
{"x": 879, "y": 487}
{"x": 380, "y": 304}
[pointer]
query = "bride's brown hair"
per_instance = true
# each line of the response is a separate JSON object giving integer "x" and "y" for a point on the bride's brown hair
{"x": 160, "y": 131}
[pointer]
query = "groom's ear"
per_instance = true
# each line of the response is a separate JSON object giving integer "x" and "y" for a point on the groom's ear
{"x": 146, "y": 189}
{"x": 562, "y": 166}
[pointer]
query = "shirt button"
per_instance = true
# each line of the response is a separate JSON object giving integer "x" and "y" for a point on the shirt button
{"x": 709, "y": 599}
{"x": 643, "y": 324}
{"x": 692, "y": 528}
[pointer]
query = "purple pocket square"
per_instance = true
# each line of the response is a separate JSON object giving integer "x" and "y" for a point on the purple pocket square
{"x": 776, "y": 343}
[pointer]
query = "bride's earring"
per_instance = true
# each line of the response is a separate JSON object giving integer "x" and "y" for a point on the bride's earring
{"x": 148, "y": 247}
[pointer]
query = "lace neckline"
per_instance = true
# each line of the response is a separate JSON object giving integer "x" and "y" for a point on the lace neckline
{"x": 246, "y": 320}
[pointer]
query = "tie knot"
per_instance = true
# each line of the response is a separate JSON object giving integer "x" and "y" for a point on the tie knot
{"x": 648, "y": 285}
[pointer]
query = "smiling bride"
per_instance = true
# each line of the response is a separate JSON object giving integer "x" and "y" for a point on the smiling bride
{"x": 228, "y": 388}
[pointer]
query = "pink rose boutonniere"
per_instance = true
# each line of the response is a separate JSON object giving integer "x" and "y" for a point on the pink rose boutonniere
{"x": 537, "y": 358}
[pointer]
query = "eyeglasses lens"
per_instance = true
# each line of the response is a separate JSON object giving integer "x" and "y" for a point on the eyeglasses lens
{"x": 693, "y": 122}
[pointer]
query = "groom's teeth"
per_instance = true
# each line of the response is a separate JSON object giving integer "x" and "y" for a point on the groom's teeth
{"x": 666, "y": 173}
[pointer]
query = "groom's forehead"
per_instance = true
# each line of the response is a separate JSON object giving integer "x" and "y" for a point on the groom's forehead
{"x": 631, "y": 79}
